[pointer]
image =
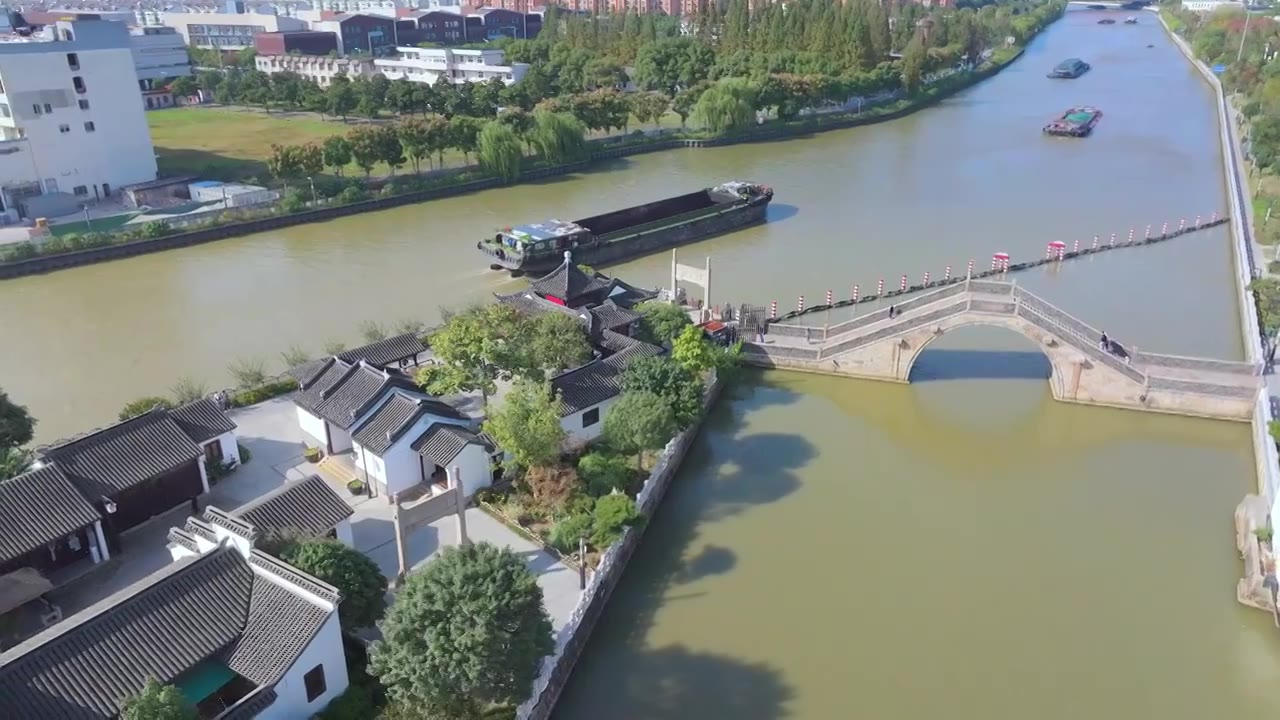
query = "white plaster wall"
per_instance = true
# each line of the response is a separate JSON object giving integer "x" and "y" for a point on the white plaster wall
{"x": 341, "y": 439}
{"x": 572, "y": 424}
{"x": 312, "y": 427}
{"x": 325, "y": 649}
{"x": 403, "y": 468}
{"x": 230, "y": 448}
{"x": 473, "y": 469}
{"x": 343, "y": 531}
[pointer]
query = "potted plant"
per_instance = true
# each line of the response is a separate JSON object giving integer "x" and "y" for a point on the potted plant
{"x": 312, "y": 454}
{"x": 1264, "y": 535}
{"x": 356, "y": 487}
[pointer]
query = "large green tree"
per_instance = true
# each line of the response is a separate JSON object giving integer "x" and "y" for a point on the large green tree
{"x": 558, "y": 341}
{"x": 661, "y": 321}
{"x": 670, "y": 381}
{"x": 466, "y": 633}
{"x": 527, "y": 425}
{"x": 358, "y": 578}
{"x": 158, "y": 702}
{"x": 17, "y": 427}
{"x": 637, "y": 422}
{"x": 478, "y": 347}
{"x": 498, "y": 150}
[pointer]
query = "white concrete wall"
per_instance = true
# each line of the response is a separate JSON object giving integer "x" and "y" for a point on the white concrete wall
{"x": 62, "y": 151}
{"x": 230, "y": 448}
{"x": 313, "y": 428}
{"x": 343, "y": 531}
{"x": 572, "y": 424}
{"x": 339, "y": 438}
{"x": 232, "y": 32}
{"x": 325, "y": 649}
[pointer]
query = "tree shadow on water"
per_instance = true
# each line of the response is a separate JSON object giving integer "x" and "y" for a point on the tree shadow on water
{"x": 710, "y": 560}
{"x": 676, "y": 682}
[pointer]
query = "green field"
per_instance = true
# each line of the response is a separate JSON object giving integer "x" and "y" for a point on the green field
{"x": 234, "y": 143}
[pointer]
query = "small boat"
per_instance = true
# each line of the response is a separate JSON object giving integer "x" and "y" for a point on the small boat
{"x": 1096, "y": 7}
{"x": 1106, "y": 21}
{"x": 1070, "y": 68}
{"x": 1131, "y": 21}
{"x": 1149, "y": 46}
{"x": 1076, "y": 122}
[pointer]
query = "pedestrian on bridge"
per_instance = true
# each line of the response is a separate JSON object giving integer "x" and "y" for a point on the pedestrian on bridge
{"x": 1105, "y": 343}
{"x": 893, "y": 311}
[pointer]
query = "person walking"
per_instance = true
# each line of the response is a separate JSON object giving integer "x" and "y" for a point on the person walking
{"x": 893, "y": 311}
{"x": 1105, "y": 343}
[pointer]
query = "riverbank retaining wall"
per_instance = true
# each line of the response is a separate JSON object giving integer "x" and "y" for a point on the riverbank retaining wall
{"x": 573, "y": 638}
{"x": 50, "y": 263}
{"x": 1266, "y": 459}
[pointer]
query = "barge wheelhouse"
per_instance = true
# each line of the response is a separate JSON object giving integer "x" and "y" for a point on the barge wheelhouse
{"x": 1069, "y": 69}
{"x": 623, "y": 234}
{"x": 1076, "y": 122}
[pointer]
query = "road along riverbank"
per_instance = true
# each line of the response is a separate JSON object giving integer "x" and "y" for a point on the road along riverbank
{"x": 464, "y": 181}
{"x": 1255, "y": 513}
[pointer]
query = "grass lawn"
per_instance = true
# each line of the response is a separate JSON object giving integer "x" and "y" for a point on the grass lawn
{"x": 232, "y": 143}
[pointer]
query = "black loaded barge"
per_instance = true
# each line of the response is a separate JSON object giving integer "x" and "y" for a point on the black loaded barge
{"x": 1076, "y": 122}
{"x": 1070, "y": 68}
{"x": 622, "y": 234}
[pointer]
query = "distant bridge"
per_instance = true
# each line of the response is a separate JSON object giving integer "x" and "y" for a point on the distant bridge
{"x": 875, "y": 346}
{"x": 1109, "y": 4}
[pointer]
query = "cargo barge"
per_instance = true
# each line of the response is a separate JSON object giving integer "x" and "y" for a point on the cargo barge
{"x": 1070, "y": 69}
{"x": 623, "y": 234}
{"x": 1076, "y": 122}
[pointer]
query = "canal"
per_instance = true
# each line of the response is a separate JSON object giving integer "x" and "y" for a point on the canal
{"x": 834, "y": 548}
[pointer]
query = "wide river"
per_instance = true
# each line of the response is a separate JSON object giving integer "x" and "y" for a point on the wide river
{"x": 959, "y": 547}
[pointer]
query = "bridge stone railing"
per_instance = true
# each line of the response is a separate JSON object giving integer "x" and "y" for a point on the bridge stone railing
{"x": 1176, "y": 362}
{"x": 1032, "y": 314}
{"x": 1244, "y": 392}
{"x": 852, "y": 324}
{"x": 993, "y": 307}
{"x": 896, "y": 328}
{"x": 781, "y": 351}
{"x": 991, "y": 287}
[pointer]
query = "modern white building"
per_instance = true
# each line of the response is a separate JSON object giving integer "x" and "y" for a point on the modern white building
{"x": 1208, "y": 6}
{"x": 159, "y": 55}
{"x": 319, "y": 69}
{"x": 426, "y": 65}
{"x": 72, "y": 124}
{"x": 227, "y": 31}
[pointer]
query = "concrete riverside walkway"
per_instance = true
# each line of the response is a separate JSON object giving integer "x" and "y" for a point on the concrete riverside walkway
{"x": 876, "y": 346}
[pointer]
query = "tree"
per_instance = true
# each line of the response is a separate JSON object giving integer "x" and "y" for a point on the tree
{"x": 499, "y": 152}
{"x": 661, "y": 322}
{"x": 728, "y": 105}
{"x": 464, "y": 133}
{"x": 401, "y": 97}
{"x": 283, "y": 163}
{"x": 358, "y": 578}
{"x": 387, "y": 142}
{"x": 603, "y": 473}
{"x": 558, "y": 341}
{"x": 337, "y": 153}
{"x": 649, "y": 107}
{"x": 670, "y": 381}
{"x": 158, "y": 702}
{"x": 692, "y": 350}
{"x": 184, "y": 86}
{"x": 13, "y": 462}
{"x": 558, "y": 137}
{"x": 913, "y": 60}
{"x": 467, "y": 632}
{"x": 686, "y": 100}
{"x": 310, "y": 159}
{"x": 478, "y": 347}
{"x": 16, "y": 425}
{"x": 437, "y": 137}
{"x": 366, "y": 148}
{"x": 414, "y": 140}
{"x": 527, "y": 426}
{"x": 521, "y": 123}
{"x": 144, "y": 404}
{"x": 639, "y": 421}
{"x": 342, "y": 97}
{"x": 613, "y": 514}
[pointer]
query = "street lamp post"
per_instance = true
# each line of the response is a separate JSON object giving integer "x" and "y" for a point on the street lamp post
{"x": 314, "y": 200}
{"x": 88, "y": 226}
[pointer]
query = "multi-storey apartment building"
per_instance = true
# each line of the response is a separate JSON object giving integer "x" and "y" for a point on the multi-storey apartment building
{"x": 159, "y": 55}
{"x": 227, "y": 31}
{"x": 72, "y": 125}
{"x": 457, "y": 66}
{"x": 317, "y": 68}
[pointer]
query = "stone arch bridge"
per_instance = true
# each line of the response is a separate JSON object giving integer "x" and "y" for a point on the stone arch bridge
{"x": 877, "y": 347}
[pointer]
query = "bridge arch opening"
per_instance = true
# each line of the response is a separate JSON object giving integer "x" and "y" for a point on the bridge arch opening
{"x": 979, "y": 348}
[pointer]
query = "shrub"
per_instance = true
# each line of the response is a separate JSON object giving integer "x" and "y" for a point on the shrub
{"x": 564, "y": 536}
{"x": 248, "y": 372}
{"x": 265, "y": 391}
{"x": 188, "y": 389}
{"x": 352, "y": 194}
{"x": 333, "y": 347}
{"x": 294, "y": 356}
{"x": 245, "y": 455}
{"x": 155, "y": 229}
{"x": 552, "y": 487}
{"x": 612, "y": 516}
{"x": 603, "y": 473}
{"x": 372, "y": 331}
{"x": 312, "y": 454}
{"x": 143, "y": 404}
{"x": 293, "y": 201}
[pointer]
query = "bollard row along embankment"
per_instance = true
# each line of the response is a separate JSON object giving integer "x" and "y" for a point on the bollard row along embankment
{"x": 1000, "y": 266}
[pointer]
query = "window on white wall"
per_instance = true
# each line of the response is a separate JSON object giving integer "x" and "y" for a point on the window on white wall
{"x": 314, "y": 680}
{"x": 590, "y": 417}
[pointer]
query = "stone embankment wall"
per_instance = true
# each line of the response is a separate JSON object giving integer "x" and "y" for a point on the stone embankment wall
{"x": 573, "y": 638}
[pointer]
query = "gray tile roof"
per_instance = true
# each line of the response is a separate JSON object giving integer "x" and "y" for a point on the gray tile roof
{"x": 202, "y": 420}
{"x": 342, "y": 396}
{"x": 616, "y": 342}
{"x": 387, "y": 351}
{"x": 597, "y": 381}
{"x": 118, "y": 457}
{"x": 309, "y": 505}
{"x": 86, "y": 666}
{"x": 229, "y": 522}
{"x": 394, "y": 417}
{"x": 308, "y": 370}
{"x": 568, "y": 283}
{"x": 209, "y": 607}
{"x": 441, "y": 443}
{"x": 610, "y": 316}
{"x": 37, "y": 508}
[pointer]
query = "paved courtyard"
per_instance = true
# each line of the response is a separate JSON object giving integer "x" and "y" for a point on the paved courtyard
{"x": 269, "y": 431}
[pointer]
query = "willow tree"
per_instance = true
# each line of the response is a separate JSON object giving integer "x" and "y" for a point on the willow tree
{"x": 727, "y": 105}
{"x": 499, "y": 151}
{"x": 558, "y": 136}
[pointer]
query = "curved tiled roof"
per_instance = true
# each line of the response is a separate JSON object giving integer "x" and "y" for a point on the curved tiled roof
{"x": 37, "y": 508}
{"x": 116, "y": 458}
{"x": 309, "y": 505}
{"x": 202, "y": 420}
{"x": 442, "y": 442}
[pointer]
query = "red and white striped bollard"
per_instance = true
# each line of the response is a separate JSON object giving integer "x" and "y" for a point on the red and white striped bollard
{"x": 904, "y": 283}
{"x": 947, "y": 275}
{"x": 1182, "y": 224}
{"x": 1148, "y": 235}
{"x": 1113, "y": 239}
{"x": 1095, "y": 242}
{"x": 880, "y": 288}
{"x": 1075, "y": 247}
{"x": 828, "y": 298}
{"x": 773, "y": 310}
{"x": 969, "y": 273}
{"x": 926, "y": 278}
{"x": 1213, "y": 217}
{"x": 1131, "y": 234}
{"x": 1164, "y": 229}
{"x": 1197, "y": 221}
{"x": 855, "y": 294}
{"x": 800, "y": 305}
